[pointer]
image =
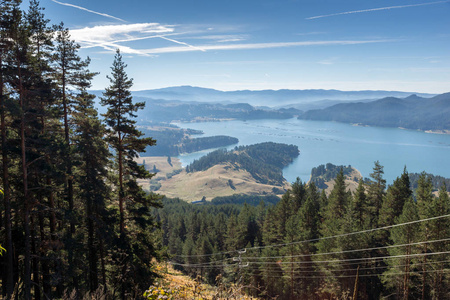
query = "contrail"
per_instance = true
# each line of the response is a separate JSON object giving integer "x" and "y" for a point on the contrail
{"x": 88, "y": 10}
{"x": 376, "y": 9}
{"x": 182, "y": 43}
{"x": 112, "y": 17}
{"x": 260, "y": 46}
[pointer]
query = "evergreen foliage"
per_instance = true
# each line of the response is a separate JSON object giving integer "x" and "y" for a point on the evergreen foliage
{"x": 307, "y": 245}
{"x": 263, "y": 161}
{"x": 175, "y": 141}
{"x": 59, "y": 221}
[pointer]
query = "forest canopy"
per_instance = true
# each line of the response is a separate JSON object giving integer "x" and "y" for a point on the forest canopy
{"x": 263, "y": 161}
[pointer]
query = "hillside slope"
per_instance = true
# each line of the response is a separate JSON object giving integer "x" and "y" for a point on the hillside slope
{"x": 250, "y": 170}
{"x": 412, "y": 112}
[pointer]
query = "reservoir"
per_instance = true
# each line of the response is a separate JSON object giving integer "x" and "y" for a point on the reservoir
{"x": 321, "y": 142}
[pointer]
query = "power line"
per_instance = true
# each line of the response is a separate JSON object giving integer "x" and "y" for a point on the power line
{"x": 350, "y": 259}
{"x": 361, "y": 275}
{"x": 256, "y": 268}
{"x": 350, "y": 233}
{"x": 316, "y": 239}
{"x": 350, "y": 251}
{"x": 340, "y": 261}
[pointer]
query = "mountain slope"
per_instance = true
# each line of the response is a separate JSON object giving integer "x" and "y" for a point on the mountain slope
{"x": 412, "y": 112}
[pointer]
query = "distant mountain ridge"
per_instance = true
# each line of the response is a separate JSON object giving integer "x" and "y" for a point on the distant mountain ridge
{"x": 412, "y": 112}
{"x": 266, "y": 97}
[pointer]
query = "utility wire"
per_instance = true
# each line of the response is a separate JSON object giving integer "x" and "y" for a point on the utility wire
{"x": 362, "y": 275}
{"x": 349, "y": 251}
{"x": 256, "y": 268}
{"x": 350, "y": 233}
{"x": 302, "y": 268}
{"x": 350, "y": 259}
{"x": 317, "y": 239}
{"x": 212, "y": 264}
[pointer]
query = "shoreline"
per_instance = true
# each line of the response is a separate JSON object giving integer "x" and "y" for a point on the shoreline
{"x": 438, "y": 131}
{"x": 443, "y": 131}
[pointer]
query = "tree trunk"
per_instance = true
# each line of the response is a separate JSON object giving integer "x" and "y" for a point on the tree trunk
{"x": 121, "y": 191}
{"x": 26, "y": 214}
{"x": 93, "y": 270}
{"x": 406, "y": 278}
{"x": 6, "y": 197}
{"x": 44, "y": 264}
{"x": 69, "y": 177}
{"x": 35, "y": 262}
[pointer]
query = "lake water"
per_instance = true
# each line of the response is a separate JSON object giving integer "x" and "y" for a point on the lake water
{"x": 340, "y": 144}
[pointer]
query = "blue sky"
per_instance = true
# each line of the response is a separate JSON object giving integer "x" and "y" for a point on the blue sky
{"x": 265, "y": 44}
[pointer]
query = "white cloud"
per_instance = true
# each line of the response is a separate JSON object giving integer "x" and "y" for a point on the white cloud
{"x": 88, "y": 10}
{"x": 126, "y": 32}
{"x": 223, "y": 38}
{"x": 102, "y": 35}
{"x": 376, "y": 9}
{"x": 259, "y": 46}
{"x": 110, "y": 37}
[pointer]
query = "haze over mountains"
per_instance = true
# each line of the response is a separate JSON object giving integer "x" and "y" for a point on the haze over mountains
{"x": 375, "y": 108}
{"x": 271, "y": 98}
{"x": 412, "y": 112}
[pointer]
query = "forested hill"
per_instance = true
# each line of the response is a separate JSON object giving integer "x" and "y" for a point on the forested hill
{"x": 263, "y": 161}
{"x": 413, "y": 112}
{"x": 173, "y": 141}
{"x": 311, "y": 245}
{"x": 324, "y": 173}
{"x": 157, "y": 110}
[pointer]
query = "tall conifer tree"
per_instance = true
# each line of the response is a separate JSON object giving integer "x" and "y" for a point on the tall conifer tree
{"x": 123, "y": 136}
{"x": 134, "y": 205}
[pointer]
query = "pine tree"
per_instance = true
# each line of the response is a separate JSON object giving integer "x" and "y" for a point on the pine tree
{"x": 395, "y": 198}
{"x": 334, "y": 211}
{"x": 439, "y": 229}
{"x": 425, "y": 198}
{"x": 123, "y": 136}
{"x": 26, "y": 86}
{"x": 5, "y": 47}
{"x": 360, "y": 205}
{"x": 298, "y": 193}
{"x": 91, "y": 176}
{"x": 376, "y": 193}
{"x": 134, "y": 205}
{"x": 333, "y": 221}
{"x": 403, "y": 235}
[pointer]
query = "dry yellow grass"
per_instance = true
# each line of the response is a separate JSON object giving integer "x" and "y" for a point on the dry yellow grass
{"x": 220, "y": 180}
{"x": 174, "y": 284}
{"x": 215, "y": 181}
{"x": 161, "y": 164}
{"x": 349, "y": 182}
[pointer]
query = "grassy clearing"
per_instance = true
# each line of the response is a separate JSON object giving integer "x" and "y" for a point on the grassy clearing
{"x": 220, "y": 180}
{"x": 351, "y": 184}
{"x": 173, "y": 284}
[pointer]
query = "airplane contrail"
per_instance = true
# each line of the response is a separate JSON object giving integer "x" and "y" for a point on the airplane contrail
{"x": 119, "y": 19}
{"x": 376, "y": 9}
{"x": 182, "y": 43}
{"x": 88, "y": 10}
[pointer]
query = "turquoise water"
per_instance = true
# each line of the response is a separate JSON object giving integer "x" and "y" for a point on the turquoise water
{"x": 340, "y": 144}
